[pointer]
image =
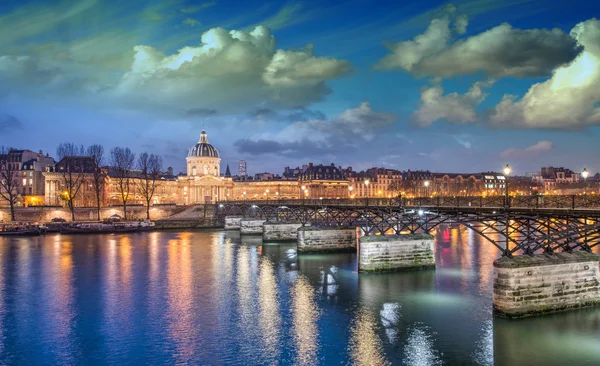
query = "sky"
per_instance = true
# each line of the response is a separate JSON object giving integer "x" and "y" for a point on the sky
{"x": 465, "y": 86}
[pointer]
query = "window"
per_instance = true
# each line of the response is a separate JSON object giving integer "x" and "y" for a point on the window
{"x": 24, "y": 181}
{"x": 194, "y": 170}
{"x": 30, "y": 181}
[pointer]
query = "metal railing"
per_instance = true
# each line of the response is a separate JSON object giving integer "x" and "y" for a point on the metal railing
{"x": 572, "y": 202}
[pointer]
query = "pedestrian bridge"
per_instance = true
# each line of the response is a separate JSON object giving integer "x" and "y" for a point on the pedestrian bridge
{"x": 545, "y": 243}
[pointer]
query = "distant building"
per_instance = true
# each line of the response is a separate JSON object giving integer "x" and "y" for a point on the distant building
{"x": 242, "y": 168}
{"x": 323, "y": 181}
{"x": 30, "y": 166}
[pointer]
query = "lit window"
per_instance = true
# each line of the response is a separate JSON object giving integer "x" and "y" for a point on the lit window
{"x": 24, "y": 181}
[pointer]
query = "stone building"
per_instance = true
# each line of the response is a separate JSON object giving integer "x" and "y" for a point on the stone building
{"x": 203, "y": 182}
{"x": 29, "y": 167}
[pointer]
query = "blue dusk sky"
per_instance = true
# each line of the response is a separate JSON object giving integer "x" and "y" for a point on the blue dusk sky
{"x": 465, "y": 86}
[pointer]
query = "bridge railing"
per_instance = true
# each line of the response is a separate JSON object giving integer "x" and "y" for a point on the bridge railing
{"x": 530, "y": 202}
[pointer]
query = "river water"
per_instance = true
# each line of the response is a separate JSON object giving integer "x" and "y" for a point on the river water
{"x": 215, "y": 298}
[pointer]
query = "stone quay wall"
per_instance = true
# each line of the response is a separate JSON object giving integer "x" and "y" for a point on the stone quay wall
{"x": 252, "y": 226}
{"x": 545, "y": 283}
{"x": 233, "y": 222}
{"x": 385, "y": 253}
{"x": 281, "y": 231}
{"x": 46, "y": 213}
{"x": 326, "y": 239}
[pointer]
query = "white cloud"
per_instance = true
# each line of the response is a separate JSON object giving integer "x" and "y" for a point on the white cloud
{"x": 533, "y": 150}
{"x": 452, "y": 107}
{"x": 568, "y": 100}
{"x": 500, "y": 51}
{"x": 230, "y": 70}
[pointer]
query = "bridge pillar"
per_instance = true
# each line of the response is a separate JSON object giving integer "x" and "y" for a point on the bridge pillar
{"x": 281, "y": 231}
{"x": 386, "y": 253}
{"x": 252, "y": 226}
{"x": 233, "y": 222}
{"x": 326, "y": 239}
{"x": 545, "y": 283}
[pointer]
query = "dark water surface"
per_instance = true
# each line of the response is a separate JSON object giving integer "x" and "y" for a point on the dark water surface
{"x": 213, "y": 298}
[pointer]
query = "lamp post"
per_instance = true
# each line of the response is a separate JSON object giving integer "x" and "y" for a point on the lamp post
{"x": 367, "y": 189}
{"x": 426, "y": 184}
{"x": 350, "y": 191}
{"x": 302, "y": 194}
{"x": 507, "y": 205}
{"x": 584, "y": 174}
{"x": 506, "y": 174}
{"x": 267, "y": 195}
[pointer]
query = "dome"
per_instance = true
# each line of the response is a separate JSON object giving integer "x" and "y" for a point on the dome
{"x": 203, "y": 148}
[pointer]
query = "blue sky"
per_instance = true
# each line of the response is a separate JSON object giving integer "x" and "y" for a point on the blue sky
{"x": 463, "y": 86}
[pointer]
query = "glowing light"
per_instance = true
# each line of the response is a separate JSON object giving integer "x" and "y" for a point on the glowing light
{"x": 507, "y": 170}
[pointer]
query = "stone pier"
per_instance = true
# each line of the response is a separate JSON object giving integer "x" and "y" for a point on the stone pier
{"x": 545, "y": 283}
{"x": 326, "y": 239}
{"x": 386, "y": 253}
{"x": 233, "y": 222}
{"x": 252, "y": 226}
{"x": 281, "y": 231}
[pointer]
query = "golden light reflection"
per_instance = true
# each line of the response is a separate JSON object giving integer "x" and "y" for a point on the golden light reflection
{"x": 58, "y": 274}
{"x": 270, "y": 320}
{"x": 365, "y": 346}
{"x": 305, "y": 316}
{"x": 181, "y": 326}
{"x": 244, "y": 285}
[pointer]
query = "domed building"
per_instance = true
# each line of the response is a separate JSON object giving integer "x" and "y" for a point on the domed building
{"x": 203, "y": 159}
{"x": 203, "y": 183}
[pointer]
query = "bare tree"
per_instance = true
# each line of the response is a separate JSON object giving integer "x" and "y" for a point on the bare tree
{"x": 96, "y": 152}
{"x": 122, "y": 160}
{"x": 9, "y": 180}
{"x": 72, "y": 167}
{"x": 150, "y": 166}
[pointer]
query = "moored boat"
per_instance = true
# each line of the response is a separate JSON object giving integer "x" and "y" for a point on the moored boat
{"x": 19, "y": 229}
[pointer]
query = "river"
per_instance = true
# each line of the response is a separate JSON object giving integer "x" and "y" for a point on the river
{"x": 215, "y": 298}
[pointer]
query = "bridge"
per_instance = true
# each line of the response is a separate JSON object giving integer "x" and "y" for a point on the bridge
{"x": 546, "y": 261}
{"x": 520, "y": 225}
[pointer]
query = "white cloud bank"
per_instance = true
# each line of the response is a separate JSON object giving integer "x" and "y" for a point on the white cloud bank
{"x": 570, "y": 99}
{"x": 230, "y": 71}
{"x": 452, "y": 107}
{"x": 500, "y": 51}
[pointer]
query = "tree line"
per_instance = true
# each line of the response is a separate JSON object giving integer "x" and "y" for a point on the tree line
{"x": 75, "y": 163}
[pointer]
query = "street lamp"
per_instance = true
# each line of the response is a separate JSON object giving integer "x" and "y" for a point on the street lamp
{"x": 584, "y": 174}
{"x": 367, "y": 189}
{"x": 506, "y": 174}
{"x": 350, "y": 190}
{"x": 426, "y": 184}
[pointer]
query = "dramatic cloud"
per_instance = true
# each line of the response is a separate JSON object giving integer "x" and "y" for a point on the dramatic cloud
{"x": 452, "y": 108}
{"x": 533, "y": 150}
{"x": 295, "y": 115}
{"x": 500, "y": 51}
{"x": 230, "y": 70}
{"x": 318, "y": 136}
{"x": 570, "y": 99}
{"x": 9, "y": 123}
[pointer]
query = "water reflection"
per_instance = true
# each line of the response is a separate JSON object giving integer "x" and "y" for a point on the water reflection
{"x": 181, "y": 327}
{"x": 270, "y": 320}
{"x": 57, "y": 272}
{"x": 210, "y": 297}
{"x": 365, "y": 345}
{"x": 305, "y": 315}
{"x": 419, "y": 349}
